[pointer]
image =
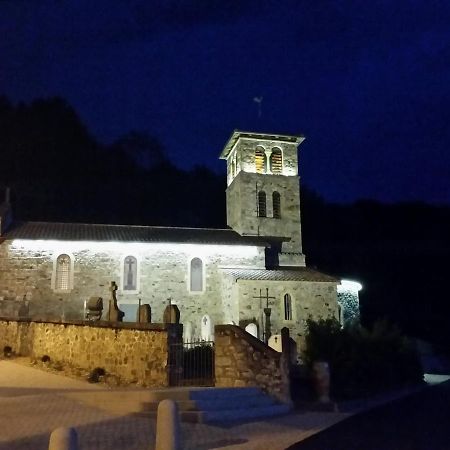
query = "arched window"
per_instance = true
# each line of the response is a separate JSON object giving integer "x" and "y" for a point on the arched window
{"x": 287, "y": 307}
{"x": 276, "y": 161}
{"x": 130, "y": 273}
{"x": 196, "y": 284}
{"x": 62, "y": 275}
{"x": 260, "y": 160}
{"x": 276, "y": 200}
{"x": 262, "y": 210}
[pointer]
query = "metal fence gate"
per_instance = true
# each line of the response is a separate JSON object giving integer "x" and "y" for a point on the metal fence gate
{"x": 192, "y": 364}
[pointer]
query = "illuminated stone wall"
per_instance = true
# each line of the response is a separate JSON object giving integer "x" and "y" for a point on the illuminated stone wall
{"x": 26, "y": 272}
{"x": 133, "y": 354}
{"x": 244, "y": 153}
{"x": 242, "y": 360}
{"x": 309, "y": 300}
{"x": 243, "y": 189}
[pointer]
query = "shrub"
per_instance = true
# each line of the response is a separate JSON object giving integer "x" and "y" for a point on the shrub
{"x": 362, "y": 360}
{"x": 94, "y": 376}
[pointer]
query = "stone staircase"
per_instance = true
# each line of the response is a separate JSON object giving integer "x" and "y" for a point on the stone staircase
{"x": 215, "y": 404}
{"x": 196, "y": 404}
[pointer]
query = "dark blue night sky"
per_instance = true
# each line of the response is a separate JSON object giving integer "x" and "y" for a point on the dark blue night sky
{"x": 367, "y": 82}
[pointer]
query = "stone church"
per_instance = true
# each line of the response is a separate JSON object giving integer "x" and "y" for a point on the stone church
{"x": 240, "y": 275}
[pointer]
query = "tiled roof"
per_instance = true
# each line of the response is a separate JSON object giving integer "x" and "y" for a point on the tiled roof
{"x": 297, "y": 274}
{"x": 128, "y": 233}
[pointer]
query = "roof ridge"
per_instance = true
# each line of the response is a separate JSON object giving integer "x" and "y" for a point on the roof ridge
{"x": 168, "y": 227}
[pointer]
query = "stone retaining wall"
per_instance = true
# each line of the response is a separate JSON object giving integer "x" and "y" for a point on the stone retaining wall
{"x": 135, "y": 353}
{"x": 242, "y": 360}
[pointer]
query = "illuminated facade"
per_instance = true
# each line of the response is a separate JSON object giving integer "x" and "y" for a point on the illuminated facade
{"x": 48, "y": 270}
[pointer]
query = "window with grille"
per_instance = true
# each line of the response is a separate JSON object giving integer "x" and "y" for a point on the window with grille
{"x": 276, "y": 199}
{"x": 196, "y": 282}
{"x": 287, "y": 307}
{"x": 260, "y": 160}
{"x": 262, "y": 210}
{"x": 276, "y": 161}
{"x": 62, "y": 278}
{"x": 130, "y": 274}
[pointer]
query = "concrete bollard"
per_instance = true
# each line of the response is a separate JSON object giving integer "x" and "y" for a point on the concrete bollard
{"x": 168, "y": 426}
{"x": 63, "y": 439}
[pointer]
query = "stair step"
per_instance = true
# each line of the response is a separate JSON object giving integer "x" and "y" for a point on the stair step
{"x": 184, "y": 394}
{"x": 228, "y": 415}
{"x": 245, "y": 414}
{"x": 216, "y": 403}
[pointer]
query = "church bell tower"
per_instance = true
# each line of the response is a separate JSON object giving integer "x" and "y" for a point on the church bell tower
{"x": 263, "y": 190}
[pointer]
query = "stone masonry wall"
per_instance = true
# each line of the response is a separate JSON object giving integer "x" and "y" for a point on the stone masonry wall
{"x": 133, "y": 354}
{"x": 242, "y": 207}
{"x": 242, "y": 360}
{"x": 26, "y": 273}
{"x": 309, "y": 300}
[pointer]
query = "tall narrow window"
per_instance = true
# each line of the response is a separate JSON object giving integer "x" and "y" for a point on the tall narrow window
{"x": 287, "y": 307}
{"x": 276, "y": 200}
{"x": 62, "y": 276}
{"x": 260, "y": 160}
{"x": 130, "y": 273}
{"x": 262, "y": 210}
{"x": 196, "y": 275}
{"x": 276, "y": 161}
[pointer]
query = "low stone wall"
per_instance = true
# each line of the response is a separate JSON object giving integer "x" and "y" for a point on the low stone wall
{"x": 134, "y": 352}
{"x": 242, "y": 360}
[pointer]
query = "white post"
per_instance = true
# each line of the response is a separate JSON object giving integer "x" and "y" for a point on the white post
{"x": 63, "y": 439}
{"x": 168, "y": 426}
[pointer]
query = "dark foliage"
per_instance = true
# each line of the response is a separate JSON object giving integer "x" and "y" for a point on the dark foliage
{"x": 58, "y": 172}
{"x": 362, "y": 360}
{"x": 96, "y": 374}
{"x": 7, "y": 351}
{"x": 198, "y": 363}
{"x": 399, "y": 252}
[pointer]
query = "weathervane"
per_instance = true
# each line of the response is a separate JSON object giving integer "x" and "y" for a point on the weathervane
{"x": 258, "y": 101}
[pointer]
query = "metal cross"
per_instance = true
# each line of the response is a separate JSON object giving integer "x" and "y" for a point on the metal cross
{"x": 264, "y": 297}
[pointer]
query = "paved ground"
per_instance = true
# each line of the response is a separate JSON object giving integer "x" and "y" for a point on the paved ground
{"x": 34, "y": 402}
{"x": 418, "y": 422}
